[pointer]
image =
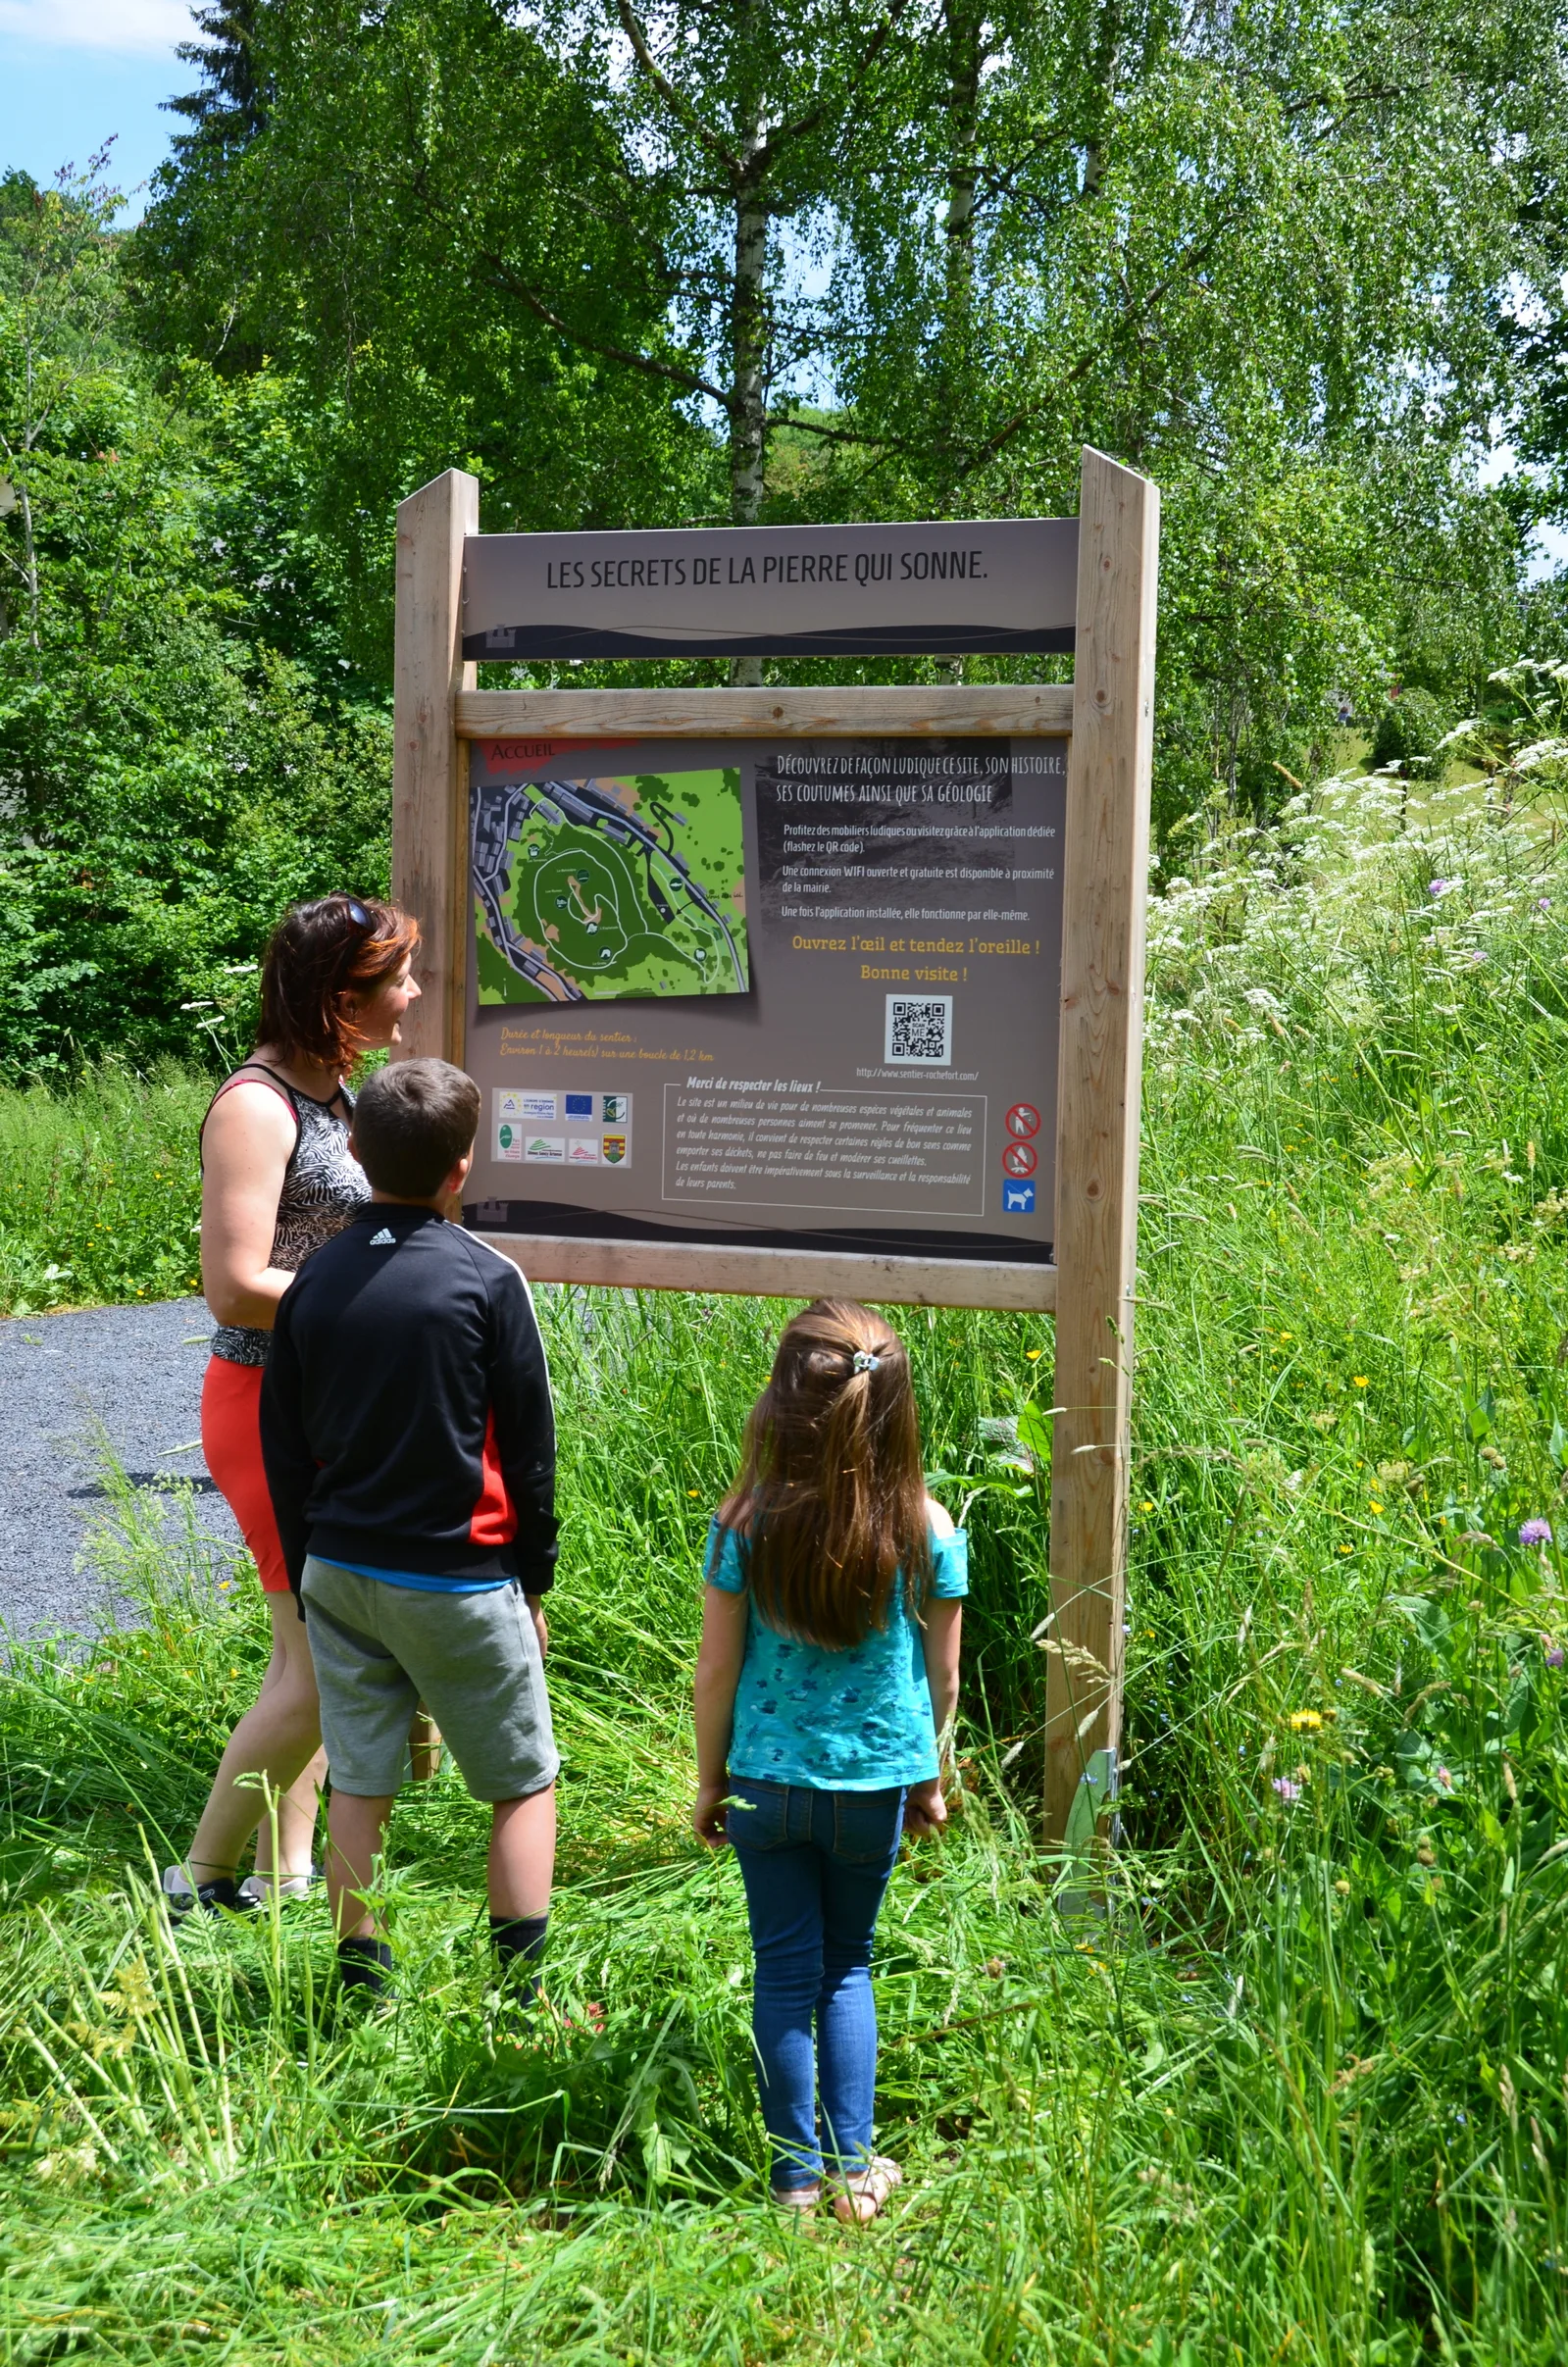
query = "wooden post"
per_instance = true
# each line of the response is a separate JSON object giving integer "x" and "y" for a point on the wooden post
{"x": 429, "y": 785}
{"x": 1107, "y": 864}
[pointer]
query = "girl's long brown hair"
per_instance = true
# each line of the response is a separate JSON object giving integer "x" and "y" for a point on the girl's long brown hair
{"x": 831, "y": 1500}
{"x": 318, "y": 956}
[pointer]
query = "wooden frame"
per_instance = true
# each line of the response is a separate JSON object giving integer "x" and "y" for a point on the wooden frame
{"x": 1099, "y": 1078}
{"x": 1108, "y": 714}
{"x": 429, "y": 793}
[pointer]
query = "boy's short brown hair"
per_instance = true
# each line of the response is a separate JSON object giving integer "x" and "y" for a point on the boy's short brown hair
{"x": 413, "y": 1122}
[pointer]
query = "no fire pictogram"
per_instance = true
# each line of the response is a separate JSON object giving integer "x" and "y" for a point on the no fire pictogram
{"x": 1018, "y": 1159}
{"x": 1023, "y": 1120}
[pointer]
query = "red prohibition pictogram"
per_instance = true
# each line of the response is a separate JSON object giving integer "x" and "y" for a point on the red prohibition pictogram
{"x": 1018, "y": 1159}
{"x": 1023, "y": 1120}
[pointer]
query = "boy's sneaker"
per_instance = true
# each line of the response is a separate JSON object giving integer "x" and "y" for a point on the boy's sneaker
{"x": 257, "y": 1889}
{"x": 181, "y": 1899}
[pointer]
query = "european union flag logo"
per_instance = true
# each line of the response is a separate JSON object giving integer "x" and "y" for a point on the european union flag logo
{"x": 580, "y": 1105}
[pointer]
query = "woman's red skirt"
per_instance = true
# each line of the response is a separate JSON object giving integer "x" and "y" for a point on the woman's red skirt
{"x": 230, "y": 1440}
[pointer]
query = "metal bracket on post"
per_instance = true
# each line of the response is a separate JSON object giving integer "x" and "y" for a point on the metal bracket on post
{"x": 1080, "y": 1893}
{"x": 1096, "y": 1792}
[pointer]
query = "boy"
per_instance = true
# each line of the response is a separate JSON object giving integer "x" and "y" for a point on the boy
{"x": 409, "y": 1441}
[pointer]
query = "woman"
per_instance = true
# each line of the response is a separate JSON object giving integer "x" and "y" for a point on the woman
{"x": 278, "y": 1180}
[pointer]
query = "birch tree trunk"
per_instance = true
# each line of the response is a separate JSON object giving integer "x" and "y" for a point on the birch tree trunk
{"x": 965, "y": 57}
{"x": 966, "y": 52}
{"x": 1104, "y": 71}
{"x": 749, "y": 334}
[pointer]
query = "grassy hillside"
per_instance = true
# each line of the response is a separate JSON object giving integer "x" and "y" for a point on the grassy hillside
{"x": 1297, "y": 2094}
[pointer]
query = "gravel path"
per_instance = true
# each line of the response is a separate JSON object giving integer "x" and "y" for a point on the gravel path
{"x": 67, "y": 1382}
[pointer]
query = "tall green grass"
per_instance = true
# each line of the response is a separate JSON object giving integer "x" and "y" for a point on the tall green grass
{"x": 99, "y": 1189}
{"x": 1297, "y": 2090}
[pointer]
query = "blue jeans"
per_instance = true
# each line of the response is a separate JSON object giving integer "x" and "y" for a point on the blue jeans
{"x": 815, "y": 1865}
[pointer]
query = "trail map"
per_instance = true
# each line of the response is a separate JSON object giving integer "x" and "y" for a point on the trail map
{"x": 597, "y": 889}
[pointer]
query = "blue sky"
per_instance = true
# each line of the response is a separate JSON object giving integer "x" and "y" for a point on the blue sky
{"x": 73, "y": 72}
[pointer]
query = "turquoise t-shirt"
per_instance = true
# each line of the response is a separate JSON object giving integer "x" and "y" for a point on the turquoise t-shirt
{"x": 856, "y": 1720}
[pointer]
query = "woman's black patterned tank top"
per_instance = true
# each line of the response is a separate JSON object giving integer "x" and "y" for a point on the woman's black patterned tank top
{"x": 323, "y": 1184}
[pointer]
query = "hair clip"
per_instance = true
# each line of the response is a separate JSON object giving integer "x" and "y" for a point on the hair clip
{"x": 865, "y": 1362}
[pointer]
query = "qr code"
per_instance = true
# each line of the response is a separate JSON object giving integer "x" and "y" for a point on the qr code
{"x": 920, "y": 1031}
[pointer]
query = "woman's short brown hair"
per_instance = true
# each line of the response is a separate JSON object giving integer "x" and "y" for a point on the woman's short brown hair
{"x": 316, "y": 957}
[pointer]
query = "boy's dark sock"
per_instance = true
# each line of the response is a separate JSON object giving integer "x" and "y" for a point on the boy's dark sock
{"x": 518, "y": 1943}
{"x": 365, "y": 1964}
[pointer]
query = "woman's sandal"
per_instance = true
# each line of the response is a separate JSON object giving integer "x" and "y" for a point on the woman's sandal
{"x": 866, "y": 2190}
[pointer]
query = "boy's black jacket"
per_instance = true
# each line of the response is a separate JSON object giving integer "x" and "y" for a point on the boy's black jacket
{"x": 406, "y": 1419}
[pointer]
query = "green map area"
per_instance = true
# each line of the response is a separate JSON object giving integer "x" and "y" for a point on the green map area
{"x": 598, "y": 889}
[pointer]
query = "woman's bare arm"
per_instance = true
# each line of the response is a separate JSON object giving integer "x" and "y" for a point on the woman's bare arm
{"x": 246, "y": 1147}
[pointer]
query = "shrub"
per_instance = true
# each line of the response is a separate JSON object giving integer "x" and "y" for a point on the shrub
{"x": 1407, "y": 734}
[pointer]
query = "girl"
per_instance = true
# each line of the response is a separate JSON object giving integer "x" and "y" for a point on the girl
{"x": 278, "y": 1180}
{"x": 829, "y": 1667}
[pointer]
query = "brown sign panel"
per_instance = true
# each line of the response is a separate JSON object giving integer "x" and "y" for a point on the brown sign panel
{"x": 768, "y": 994}
{"x": 986, "y": 583}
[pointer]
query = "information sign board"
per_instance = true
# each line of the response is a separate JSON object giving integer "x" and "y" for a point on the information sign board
{"x": 778, "y": 994}
{"x": 809, "y": 991}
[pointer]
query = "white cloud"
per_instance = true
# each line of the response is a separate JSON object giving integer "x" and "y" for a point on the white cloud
{"x": 130, "y": 27}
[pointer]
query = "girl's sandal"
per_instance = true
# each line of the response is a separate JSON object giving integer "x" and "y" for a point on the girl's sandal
{"x": 866, "y": 2190}
{"x": 795, "y": 2201}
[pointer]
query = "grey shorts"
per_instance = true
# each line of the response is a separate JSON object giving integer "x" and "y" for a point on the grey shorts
{"x": 473, "y": 1660}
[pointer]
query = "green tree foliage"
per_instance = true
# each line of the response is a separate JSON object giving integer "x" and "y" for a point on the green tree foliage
{"x": 1256, "y": 252}
{"x": 229, "y": 105}
{"x": 175, "y": 754}
{"x": 431, "y": 192}
{"x": 637, "y": 264}
{"x": 759, "y": 259}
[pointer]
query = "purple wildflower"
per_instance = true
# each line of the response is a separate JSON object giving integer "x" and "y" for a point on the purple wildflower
{"x": 1439, "y": 888}
{"x": 1554, "y": 1655}
{"x": 1536, "y": 1533}
{"x": 1545, "y": 903}
{"x": 1444, "y": 1779}
{"x": 1286, "y": 1789}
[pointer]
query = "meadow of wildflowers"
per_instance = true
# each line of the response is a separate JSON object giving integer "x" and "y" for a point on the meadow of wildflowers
{"x": 1297, "y": 2090}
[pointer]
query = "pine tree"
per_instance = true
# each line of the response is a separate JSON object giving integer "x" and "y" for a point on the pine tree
{"x": 229, "y": 109}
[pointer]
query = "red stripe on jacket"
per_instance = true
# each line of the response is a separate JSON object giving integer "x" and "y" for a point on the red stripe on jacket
{"x": 494, "y": 1520}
